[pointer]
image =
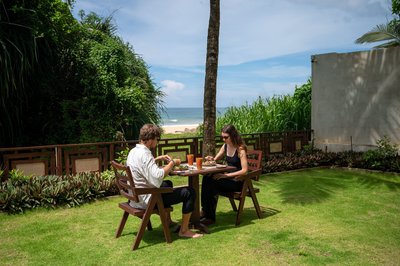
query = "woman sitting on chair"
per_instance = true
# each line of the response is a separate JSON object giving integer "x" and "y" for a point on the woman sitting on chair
{"x": 235, "y": 153}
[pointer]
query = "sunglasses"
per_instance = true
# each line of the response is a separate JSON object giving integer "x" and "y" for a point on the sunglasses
{"x": 225, "y": 137}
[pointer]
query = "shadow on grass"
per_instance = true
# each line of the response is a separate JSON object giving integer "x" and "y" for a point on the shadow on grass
{"x": 226, "y": 220}
{"x": 314, "y": 186}
{"x": 374, "y": 179}
{"x": 303, "y": 189}
{"x": 150, "y": 238}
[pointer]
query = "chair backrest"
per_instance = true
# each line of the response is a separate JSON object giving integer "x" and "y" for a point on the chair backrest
{"x": 254, "y": 159}
{"x": 124, "y": 179}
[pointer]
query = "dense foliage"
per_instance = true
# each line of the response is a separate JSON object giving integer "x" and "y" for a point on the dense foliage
{"x": 384, "y": 158}
{"x": 20, "y": 193}
{"x": 66, "y": 81}
{"x": 279, "y": 113}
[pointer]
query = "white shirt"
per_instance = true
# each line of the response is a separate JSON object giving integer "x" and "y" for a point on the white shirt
{"x": 145, "y": 172}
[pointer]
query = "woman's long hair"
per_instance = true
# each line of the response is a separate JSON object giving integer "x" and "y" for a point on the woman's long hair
{"x": 235, "y": 136}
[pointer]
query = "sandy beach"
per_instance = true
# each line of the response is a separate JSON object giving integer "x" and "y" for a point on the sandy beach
{"x": 179, "y": 128}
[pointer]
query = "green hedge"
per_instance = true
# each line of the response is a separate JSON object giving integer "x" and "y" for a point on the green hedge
{"x": 22, "y": 193}
{"x": 304, "y": 159}
{"x": 383, "y": 158}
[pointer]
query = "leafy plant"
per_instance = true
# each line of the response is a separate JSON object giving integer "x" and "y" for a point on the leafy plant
{"x": 384, "y": 157}
{"x": 122, "y": 156}
{"x": 19, "y": 194}
{"x": 17, "y": 175}
{"x": 108, "y": 175}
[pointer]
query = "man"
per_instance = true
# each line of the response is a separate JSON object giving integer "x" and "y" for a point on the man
{"x": 146, "y": 173}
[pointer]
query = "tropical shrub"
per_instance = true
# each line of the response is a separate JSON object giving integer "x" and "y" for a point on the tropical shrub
{"x": 316, "y": 158}
{"x": 68, "y": 82}
{"x": 19, "y": 194}
{"x": 279, "y": 113}
{"x": 385, "y": 157}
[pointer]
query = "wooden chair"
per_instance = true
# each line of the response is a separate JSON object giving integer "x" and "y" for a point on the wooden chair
{"x": 254, "y": 164}
{"x": 128, "y": 190}
{"x": 254, "y": 159}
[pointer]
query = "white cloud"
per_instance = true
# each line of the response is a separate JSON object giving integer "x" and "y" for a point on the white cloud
{"x": 174, "y": 32}
{"x": 171, "y": 86}
{"x": 171, "y": 36}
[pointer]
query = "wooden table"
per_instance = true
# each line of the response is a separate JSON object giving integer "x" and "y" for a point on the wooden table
{"x": 194, "y": 179}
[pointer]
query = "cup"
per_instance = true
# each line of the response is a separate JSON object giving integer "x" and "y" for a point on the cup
{"x": 199, "y": 163}
{"x": 190, "y": 158}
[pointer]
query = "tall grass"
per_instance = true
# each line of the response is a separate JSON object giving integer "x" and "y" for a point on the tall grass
{"x": 278, "y": 113}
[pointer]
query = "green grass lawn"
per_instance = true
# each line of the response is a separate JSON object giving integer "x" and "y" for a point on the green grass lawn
{"x": 311, "y": 217}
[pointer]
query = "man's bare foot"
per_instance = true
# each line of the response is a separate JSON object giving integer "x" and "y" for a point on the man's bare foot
{"x": 189, "y": 234}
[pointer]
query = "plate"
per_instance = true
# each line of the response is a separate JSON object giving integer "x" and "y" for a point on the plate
{"x": 180, "y": 172}
{"x": 221, "y": 166}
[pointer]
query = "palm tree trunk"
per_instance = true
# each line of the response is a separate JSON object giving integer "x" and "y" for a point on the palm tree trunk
{"x": 210, "y": 84}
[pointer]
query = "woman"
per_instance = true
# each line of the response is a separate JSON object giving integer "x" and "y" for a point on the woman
{"x": 235, "y": 153}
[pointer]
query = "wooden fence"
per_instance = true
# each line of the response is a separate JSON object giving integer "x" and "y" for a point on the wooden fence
{"x": 74, "y": 158}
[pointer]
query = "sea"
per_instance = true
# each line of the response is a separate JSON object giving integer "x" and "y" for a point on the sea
{"x": 185, "y": 116}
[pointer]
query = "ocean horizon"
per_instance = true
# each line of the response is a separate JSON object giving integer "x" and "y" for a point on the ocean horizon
{"x": 185, "y": 115}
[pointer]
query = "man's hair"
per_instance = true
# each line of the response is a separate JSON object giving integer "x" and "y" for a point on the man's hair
{"x": 149, "y": 131}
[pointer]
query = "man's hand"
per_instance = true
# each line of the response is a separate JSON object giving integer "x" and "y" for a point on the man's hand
{"x": 165, "y": 158}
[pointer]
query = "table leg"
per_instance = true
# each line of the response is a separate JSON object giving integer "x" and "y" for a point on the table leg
{"x": 194, "y": 183}
{"x": 195, "y": 218}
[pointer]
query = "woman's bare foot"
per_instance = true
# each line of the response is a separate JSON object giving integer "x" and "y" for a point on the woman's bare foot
{"x": 189, "y": 234}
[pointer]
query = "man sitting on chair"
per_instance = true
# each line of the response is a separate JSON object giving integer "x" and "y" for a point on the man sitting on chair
{"x": 147, "y": 174}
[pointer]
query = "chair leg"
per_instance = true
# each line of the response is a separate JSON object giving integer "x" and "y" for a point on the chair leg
{"x": 255, "y": 201}
{"x": 233, "y": 204}
{"x": 122, "y": 224}
{"x": 241, "y": 201}
{"x": 145, "y": 220}
{"x": 149, "y": 226}
{"x": 163, "y": 217}
{"x": 240, "y": 210}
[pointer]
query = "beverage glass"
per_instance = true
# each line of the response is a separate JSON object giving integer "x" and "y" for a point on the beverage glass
{"x": 199, "y": 163}
{"x": 190, "y": 158}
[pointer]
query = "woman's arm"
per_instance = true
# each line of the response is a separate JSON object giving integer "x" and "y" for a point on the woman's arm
{"x": 243, "y": 162}
{"x": 219, "y": 155}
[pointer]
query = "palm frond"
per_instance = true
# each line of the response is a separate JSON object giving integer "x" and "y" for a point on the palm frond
{"x": 388, "y": 44}
{"x": 381, "y": 33}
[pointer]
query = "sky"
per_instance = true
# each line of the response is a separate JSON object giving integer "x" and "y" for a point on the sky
{"x": 265, "y": 46}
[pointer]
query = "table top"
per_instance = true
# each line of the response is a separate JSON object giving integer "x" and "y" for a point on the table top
{"x": 219, "y": 168}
